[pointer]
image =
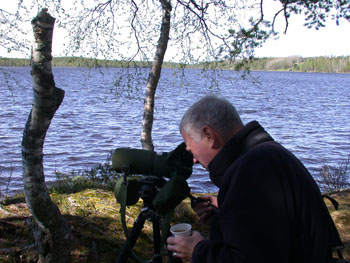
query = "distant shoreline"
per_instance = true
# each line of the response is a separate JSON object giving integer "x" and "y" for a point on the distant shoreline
{"x": 291, "y": 64}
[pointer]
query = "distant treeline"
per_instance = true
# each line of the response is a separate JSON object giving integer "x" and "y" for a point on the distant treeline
{"x": 311, "y": 64}
{"x": 79, "y": 62}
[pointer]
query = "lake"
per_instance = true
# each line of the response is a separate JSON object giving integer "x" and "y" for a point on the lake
{"x": 308, "y": 113}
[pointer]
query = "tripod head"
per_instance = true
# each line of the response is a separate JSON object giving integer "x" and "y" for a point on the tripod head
{"x": 148, "y": 189}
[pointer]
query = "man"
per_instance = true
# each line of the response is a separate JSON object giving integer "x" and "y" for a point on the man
{"x": 270, "y": 208}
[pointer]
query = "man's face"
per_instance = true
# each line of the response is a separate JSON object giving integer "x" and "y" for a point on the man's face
{"x": 202, "y": 152}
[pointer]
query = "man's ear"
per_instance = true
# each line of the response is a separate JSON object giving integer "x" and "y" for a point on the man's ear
{"x": 211, "y": 137}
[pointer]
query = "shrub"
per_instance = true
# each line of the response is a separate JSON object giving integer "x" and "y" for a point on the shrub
{"x": 336, "y": 177}
{"x": 101, "y": 176}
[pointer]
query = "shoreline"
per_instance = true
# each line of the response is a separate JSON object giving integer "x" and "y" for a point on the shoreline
{"x": 320, "y": 64}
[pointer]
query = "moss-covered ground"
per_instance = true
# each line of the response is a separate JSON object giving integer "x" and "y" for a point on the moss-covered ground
{"x": 94, "y": 217}
{"x": 98, "y": 236}
{"x": 341, "y": 218}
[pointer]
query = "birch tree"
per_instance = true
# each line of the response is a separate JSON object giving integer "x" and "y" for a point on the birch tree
{"x": 53, "y": 235}
{"x": 205, "y": 32}
{"x": 147, "y": 122}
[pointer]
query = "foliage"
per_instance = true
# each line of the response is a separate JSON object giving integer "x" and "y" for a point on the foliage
{"x": 13, "y": 36}
{"x": 206, "y": 33}
{"x": 336, "y": 177}
{"x": 311, "y": 64}
{"x": 316, "y": 12}
{"x": 14, "y": 62}
{"x": 261, "y": 28}
{"x": 102, "y": 176}
{"x": 4, "y": 192}
{"x": 203, "y": 31}
{"x": 129, "y": 30}
{"x": 339, "y": 64}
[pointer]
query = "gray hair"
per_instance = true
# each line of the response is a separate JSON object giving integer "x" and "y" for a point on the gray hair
{"x": 217, "y": 113}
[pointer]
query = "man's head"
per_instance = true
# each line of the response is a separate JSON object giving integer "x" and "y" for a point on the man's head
{"x": 207, "y": 126}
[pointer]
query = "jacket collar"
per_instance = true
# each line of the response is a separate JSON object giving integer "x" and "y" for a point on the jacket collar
{"x": 250, "y": 135}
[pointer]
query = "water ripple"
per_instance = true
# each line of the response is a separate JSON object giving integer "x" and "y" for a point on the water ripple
{"x": 307, "y": 113}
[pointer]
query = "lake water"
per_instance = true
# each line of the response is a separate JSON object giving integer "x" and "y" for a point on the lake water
{"x": 306, "y": 112}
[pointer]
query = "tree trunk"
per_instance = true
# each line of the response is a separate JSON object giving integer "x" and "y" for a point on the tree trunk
{"x": 54, "y": 236}
{"x": 147, "y": 122}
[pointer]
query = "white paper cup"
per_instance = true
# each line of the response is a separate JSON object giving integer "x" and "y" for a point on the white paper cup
{"x": 181, "y": 229}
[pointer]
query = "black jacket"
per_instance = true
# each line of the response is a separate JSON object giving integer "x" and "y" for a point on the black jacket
{"x": 271, "y": 209}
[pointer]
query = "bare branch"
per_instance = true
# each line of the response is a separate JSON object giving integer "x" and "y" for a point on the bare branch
{"x": 135, "y": 30}
{"x": 274, "y": 19}
{"x": 205, "y": 29}
{"x": 286, "y": 18}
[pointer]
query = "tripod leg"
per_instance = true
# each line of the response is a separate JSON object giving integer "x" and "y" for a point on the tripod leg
{"x": 156, "y": 241}
{"x": 132, "y": 238}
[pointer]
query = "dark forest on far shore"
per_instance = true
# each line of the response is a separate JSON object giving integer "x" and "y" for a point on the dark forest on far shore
{"x": 296, "y": 63}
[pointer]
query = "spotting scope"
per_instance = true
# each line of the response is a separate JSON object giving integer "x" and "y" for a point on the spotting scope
{"x": 145, "y": 162}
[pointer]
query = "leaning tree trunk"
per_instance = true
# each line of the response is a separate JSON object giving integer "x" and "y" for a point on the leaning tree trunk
{"x": 147, "y": 122}
{"x": 54, "y": 236}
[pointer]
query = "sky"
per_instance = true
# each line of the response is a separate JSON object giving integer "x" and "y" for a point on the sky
{"x": 332, "y": 40}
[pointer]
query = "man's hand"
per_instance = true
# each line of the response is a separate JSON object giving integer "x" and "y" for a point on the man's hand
{"x": 203, "y": 209}
{"x": 183, "y": 246}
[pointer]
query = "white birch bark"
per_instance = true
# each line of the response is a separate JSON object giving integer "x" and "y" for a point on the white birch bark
{"x": 154, "y": 76}
{"x": 54, "y": 235}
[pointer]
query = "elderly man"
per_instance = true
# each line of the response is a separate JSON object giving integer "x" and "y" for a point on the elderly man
{"x": 270, "y": 208}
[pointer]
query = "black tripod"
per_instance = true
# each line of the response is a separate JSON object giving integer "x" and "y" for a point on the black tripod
{"x": 148, "y": 190}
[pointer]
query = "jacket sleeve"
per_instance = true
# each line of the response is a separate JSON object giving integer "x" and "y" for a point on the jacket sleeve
{"x": 215, "y": 251}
